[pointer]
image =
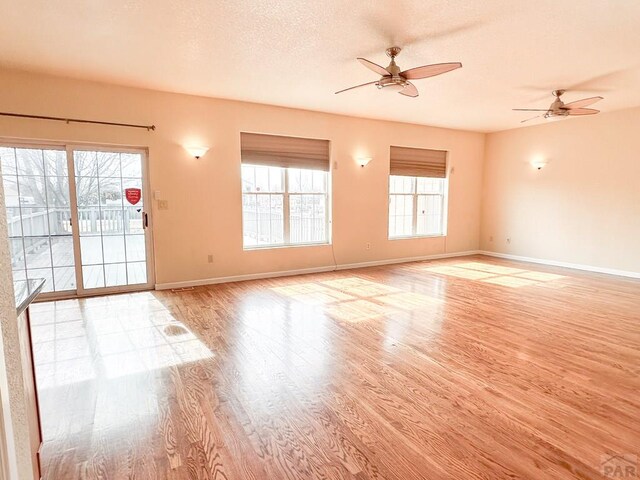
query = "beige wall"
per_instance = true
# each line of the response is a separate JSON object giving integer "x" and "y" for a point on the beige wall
{"x": 204, "y": 195}
{"x": 583, "y": 207}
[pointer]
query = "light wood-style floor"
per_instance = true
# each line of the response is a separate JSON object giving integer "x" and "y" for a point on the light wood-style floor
{"x": 454, "y": 369}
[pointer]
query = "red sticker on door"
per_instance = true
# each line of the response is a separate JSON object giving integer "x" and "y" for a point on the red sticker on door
{"x": 133, "y": 195}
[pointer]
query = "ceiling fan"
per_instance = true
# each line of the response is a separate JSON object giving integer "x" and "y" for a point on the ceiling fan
{"x": 560, "y": 109}
{"x": 392, "y": 78}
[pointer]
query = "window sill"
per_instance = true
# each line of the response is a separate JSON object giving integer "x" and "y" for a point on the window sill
{"x": 410, "y": 237}
{"x": 278, "y": 247}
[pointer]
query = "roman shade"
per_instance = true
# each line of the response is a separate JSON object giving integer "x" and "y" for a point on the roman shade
{"x": 287, "y": 152}
{"x": 418, "y": 162}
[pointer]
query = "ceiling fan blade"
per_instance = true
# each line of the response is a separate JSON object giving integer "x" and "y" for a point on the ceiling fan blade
{"x": 582, "y": 103}
{"x": 530, "y": 109}
{"x": 532, "y": 118}
{"x": 583, "y": 111}
{"x": 357, "y": 86}
{"x": 409, "y": 90}
{"x": 429, "y": 70}
{"x": 373, "y": 66}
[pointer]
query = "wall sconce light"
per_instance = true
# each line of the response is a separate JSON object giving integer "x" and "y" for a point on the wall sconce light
{"x": 197, "y": 152}
{"x": 539, "y": 163}
{"x": 363, "y": 161}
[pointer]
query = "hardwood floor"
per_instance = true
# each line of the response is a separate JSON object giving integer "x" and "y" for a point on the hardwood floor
{"x": 461, "y": 368}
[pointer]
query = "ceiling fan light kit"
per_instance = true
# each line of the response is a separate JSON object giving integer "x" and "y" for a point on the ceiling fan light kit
{"x": 392, "y": 78}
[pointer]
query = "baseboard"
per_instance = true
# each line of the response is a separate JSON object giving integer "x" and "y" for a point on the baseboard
{"x": 305, "y": 271}
{"x": 555, "y": 263}
{"x": 390, "y": 261}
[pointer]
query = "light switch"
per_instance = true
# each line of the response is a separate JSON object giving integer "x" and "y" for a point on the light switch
{"x": 157, "y": 195}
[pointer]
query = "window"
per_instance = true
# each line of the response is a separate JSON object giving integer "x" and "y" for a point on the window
{"x": 416, "y": 206}
{"x": 285, "y": 185}
{"x": 417, "y": 192}
{"x": 284, "y": 206}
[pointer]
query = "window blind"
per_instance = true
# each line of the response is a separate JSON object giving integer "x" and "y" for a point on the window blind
{"x": 287, "y": 152}
{"x": 418, "y": 162}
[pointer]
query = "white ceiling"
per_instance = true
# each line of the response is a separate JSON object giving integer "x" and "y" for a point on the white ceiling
{"x": 296, "y": 53}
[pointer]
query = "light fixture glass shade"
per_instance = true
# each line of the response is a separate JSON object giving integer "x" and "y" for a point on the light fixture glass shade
{"x": 197, "y": 152}
{"x": 538, "y": 163}
{"x": 363, "y": 161}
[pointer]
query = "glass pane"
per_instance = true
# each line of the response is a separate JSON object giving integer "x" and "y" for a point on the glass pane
{"x": 35, "y": 221}
{"x": 430, "y": 185}
{"x": 29, "y": 161}
{"x": 7, "y": 161}
{"x": 111, "y": 220}
{"x": 19, "y": 274}
{"x": 86, "y": 163}
{"x": 113, "y": 248}
{"x": 58, "y": 191}
{"x": 131, "y": 165}
{"x": 91, "y": 250}
{"x": 55, "y": 163}
{"x": 108, "y": 164}
{"x": 110, "y": 192}
{"x": 45, "y": 273}
{"x": 262, "y": 179}
{"x": 62, "y": 251}
{"x": 93, "y": 276}
{"x": 429, "y": 215}
{"x": 59, "y": 221}
{"x": 133, "y": 220}
{"x": 248, "y": 173}
{"x": 64, "y": 278}
{"x": 116, "y": 274}
{"x": 137, "y": 272}
{"x": 87, "y": 191}
{"x": 32, "y": 191}
{"x": 14, "y": 224}
{"x": 399, "y": 184}
{"x": 11, "y": 194}
{"x": 89, "y": 221}
{"x": 249, "y": 220}
{"x": 37, "y": 252}
{"x": 307, "y": 218}
{"x": 96, "y": 220}
{"x": 400, "y": 215}
{"x": 136, "y": 249}
{"x": 17, "y": 253}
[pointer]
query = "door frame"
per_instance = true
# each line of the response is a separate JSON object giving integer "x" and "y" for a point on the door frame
{"x": 146, "y": 190}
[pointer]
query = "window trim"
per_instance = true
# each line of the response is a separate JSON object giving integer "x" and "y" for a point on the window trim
{"x": 414, "y": 220}
{"x": 286, "y": 212}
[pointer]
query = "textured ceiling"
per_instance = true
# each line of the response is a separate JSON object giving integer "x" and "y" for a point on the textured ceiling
{"x": 297, "y": 53}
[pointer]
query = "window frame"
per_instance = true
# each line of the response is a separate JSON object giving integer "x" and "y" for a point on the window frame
{"x": 286, "y": 212}
{"x": 444, "y": 213}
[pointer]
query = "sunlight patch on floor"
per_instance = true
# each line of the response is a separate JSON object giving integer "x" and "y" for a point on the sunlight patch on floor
{"x": 355, "y": 299}
{"x": 67, "y": 350}
{"x": 496, "y": 274}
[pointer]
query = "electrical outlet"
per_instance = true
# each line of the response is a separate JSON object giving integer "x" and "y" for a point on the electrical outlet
{"x": 163, "y": 204}
{"x": 210, "y": 258}
{"x": 508, "y": 239}
{"x": 368, "y": 246}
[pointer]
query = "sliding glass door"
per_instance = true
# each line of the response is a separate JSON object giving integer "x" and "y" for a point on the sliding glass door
{"x": 111, "y": 218}
{"x": 84, "y": 233}
{"x": 36, "y": 190}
